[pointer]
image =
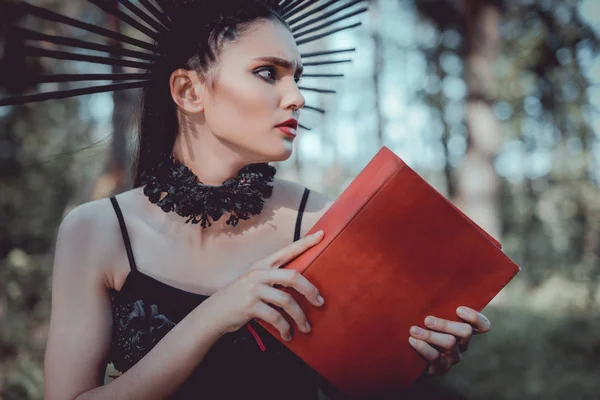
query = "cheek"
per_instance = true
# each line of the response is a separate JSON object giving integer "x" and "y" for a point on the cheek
{"x": 244, "y": 114}
{"x": 248, "y": 105}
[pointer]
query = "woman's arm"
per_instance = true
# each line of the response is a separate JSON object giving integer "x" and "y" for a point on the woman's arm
{"x": 81, "y": 325}
{"x": 81, "y": 321}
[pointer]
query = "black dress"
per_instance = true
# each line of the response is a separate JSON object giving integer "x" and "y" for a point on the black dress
{"x": 248, "y": 363}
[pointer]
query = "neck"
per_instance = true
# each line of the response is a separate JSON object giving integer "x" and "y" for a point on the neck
{"x": 211, "y": 160}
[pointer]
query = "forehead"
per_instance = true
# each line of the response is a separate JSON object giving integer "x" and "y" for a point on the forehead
{"x": 265, "y": 38}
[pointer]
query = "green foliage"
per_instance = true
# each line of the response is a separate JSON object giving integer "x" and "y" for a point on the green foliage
{"x": 539, "y": 96}
{"x": 38, "y": 150}
{"x": 25, "y": 281}
{"x": 526, "y": 356}
{"x": 37, "y": 143}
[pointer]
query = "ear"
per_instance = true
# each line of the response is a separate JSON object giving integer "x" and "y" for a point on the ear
{"x": 187, "y": 90}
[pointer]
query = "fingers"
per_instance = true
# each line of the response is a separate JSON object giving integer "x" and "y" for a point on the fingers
{"x": 477, "y": 320}
{"x": 443, "y": 343}
{"x": 294, "y": 279}
{"x": 267, "y": 273}
{"x": 463, "y": 332}
{"x": 286, "y": 302}
{"x": 439, "y": 363}
{"x": 292, "y": 251}
{"x": 273, "y": 317}
{"x": 441, "y": 340}
{"x": 425, "y": 350}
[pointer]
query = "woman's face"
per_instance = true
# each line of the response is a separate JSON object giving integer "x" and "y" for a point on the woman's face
{"x": 255, "y": 89}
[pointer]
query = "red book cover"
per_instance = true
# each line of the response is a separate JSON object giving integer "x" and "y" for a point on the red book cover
{"x": 395, "y": 250}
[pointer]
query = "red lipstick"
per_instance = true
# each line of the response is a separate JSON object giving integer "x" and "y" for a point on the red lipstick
{"x": 289, "y": 127}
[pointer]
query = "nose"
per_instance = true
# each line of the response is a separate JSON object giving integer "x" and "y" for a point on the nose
{"x": 293, "y": 98}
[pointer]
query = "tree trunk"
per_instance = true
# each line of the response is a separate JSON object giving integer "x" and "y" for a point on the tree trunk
{"x": 377, "y": 70}
{"x": 478, "y": 186}
{"x": 116, "y": 178}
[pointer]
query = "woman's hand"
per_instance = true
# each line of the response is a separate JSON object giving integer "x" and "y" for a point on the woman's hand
{"x": 248, "y": 296}
{"x": 442, "y": 344}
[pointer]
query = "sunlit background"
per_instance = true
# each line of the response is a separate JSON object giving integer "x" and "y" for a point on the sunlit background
{"x": 496, "y": 103}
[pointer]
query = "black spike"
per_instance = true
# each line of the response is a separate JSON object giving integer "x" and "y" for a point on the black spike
{"x": 326, "y": 15}
{"x": 328, "y": 62}
{"x": 322, "y": 35}
{"x": 55, "y": 17}
{"x": 63, "y": 55}
{"x": 326, "y": 23}
{"x": 289, "y": 14}
{"x": 322, "y": 75}
{"x": 325, "y": 53}
{"x": 142, "y": 15}
{"x": 304, "y": 127}
{"x": 310, "y": 89}
{"x": 91, "y": 77}
{"x": 291, "y": 4}
{"x": 319, "y": 110}
{"x": 312, "y": 11}
{"x": 158, "y": 14}
{"x": 66, "y": 41}
{"x": 62, "y": 94}
{"x": 113, "y": 9}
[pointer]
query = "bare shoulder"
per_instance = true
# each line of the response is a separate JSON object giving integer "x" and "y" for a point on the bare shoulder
{"x": 85, "y": 238}
{"x": 83, "y": 224}
{"x": 92, "y": 220}
{"x": 290, "y": 193}
{"x": 84, "y": 215}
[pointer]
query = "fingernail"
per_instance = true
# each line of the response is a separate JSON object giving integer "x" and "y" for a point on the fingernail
{"x": 412, "y": 340}
{"x": 318, "y": 233}
{"x": 307, "y": 326}
{"x": 487, "y": 322}
{"x": 462, "y": 311}
{"x": 287, "y": 337}
{"x": 415, "y": 330}
{"x": 430, "y": 321}
{"x": 320, "y": 300}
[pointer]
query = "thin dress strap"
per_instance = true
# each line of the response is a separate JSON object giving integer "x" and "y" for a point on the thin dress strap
{"x": 300, "y": 212}
{"x": 132, "y": 265}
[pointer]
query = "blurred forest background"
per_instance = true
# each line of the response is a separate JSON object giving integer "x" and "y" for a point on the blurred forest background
{"x": 495, "y": 102}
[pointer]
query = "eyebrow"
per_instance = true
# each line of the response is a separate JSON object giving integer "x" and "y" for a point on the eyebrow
{"x": 282, "y": 62}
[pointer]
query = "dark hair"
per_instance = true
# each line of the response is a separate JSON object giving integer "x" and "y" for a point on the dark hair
{"x": 197, "y": 34}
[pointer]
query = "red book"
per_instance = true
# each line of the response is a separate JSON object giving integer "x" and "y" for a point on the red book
{"x": 395, "y": 250}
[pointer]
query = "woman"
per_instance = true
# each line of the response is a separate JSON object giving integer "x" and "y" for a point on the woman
{"x": 172, "y": 304}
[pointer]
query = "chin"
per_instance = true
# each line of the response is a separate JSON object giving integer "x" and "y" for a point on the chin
{"x": 269, "y": 149}
{"x": 279, "y": 153}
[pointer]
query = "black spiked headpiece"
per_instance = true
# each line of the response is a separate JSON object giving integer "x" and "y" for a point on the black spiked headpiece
{"x": 309, "y": 20}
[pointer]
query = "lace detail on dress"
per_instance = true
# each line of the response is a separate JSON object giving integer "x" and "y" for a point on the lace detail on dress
{"x": 137, "y": 327}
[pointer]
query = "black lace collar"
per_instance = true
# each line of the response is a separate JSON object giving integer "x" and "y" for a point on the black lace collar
{"x": 242, "y": 196}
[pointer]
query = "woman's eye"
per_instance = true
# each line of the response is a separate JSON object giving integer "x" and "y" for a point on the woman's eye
{"x": 270, "y": 74}
{"x": 267, "y": 73}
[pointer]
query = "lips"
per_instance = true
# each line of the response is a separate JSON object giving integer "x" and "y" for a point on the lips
{"x": 292, "y": 123}
{"x": 289, "y": 127}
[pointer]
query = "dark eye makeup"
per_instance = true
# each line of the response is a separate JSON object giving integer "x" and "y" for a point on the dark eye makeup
{"x": 269, "y": 74}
